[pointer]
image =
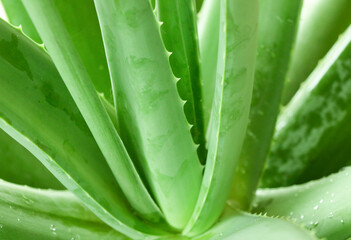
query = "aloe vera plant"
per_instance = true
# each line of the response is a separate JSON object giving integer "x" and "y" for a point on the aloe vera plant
{"x": 148, "y": 119}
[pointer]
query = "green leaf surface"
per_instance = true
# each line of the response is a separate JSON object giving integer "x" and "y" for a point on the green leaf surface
{"x": 27, "y": 213}
{"x": 208, "y": 28}
{"x": 199, "y": 4}
{"x": 150, "y": 112}
{"x": 179, "y": 33}
{"x": 322, "y": 21}
{"x": 17, "y": 15}
{"x": 275, "y": 40}
{"x": 239, "y": 226}
{"x": 229, "y": 118}
{"x": 17, "y": 165}
{"x": 85, "y": 34}
{"x": 46, "y": 17}
{"x": 37, "y": 110}
{"x": 323, "y": 206}
{"x": 312, "y": 136}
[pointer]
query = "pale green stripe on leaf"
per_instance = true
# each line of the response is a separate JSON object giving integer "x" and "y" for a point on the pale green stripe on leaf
{"x": 150, "y": 112}
{"x": 229, "y": 117}
{"x": 323, "y": 206}
{"x": 179, "y": 33}
{"x": 275, "y": 39}
{"x": 312, "y": 136}
{"x": 46, "y": 17}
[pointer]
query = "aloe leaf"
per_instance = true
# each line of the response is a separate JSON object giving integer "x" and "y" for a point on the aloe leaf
{"x": 37, "y": 110}
{"x": 229, "y": 118}
{"x": 28, "y": 213}
{"x": 321, "y": 24}
{"x": 179, "y": 32}
{"x": 150, "y": 112}
{"x": 323, "y": 206}
{"x": 275, "y": 40}
{"x": 246, "y": 226}
{"x": 313, "y": 134}
{"x": 17, "y": 15}
{"x": 52, "y": 29}
{"x": 21, "y": 167}
{"x": 208, "y": 28}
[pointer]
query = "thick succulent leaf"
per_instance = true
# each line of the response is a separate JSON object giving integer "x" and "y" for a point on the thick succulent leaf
{"x": 239, "y": 226}
{"x": 17, "y": 165}
{"x": 208, "y": 27}
{"x": 322, "y": 21}
{"x": 38, "y": 112}
{"x": 312, "y": 136}
{"x": 229, "y": 118}
{"x": 17, "y": 15}
{"x": 275, "y": 40}
{"x": 179, "y": 33}
{"x": 28, "y": 213}
{"x": 150, "y": 112}
{"x": 323, "y": 205}
{"x": 47, "y": 19}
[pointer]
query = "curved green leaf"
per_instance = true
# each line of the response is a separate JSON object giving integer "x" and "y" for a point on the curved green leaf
{"x": 150, "y": 112}
{"x": 239, "y": 226}
{"x": 229, "y": 118}
{"x": 37, "y": 110}
{"x": 18, "y": 16}
{"x": 275, "y": 40}
{"x": 323, "y": 205}
{"x": 322, "y": 21}
{"x": 179, "y": 35}
{"x": 46, "y": 17}
{"x": 27, "y": 213}
{"x": 21, "y": 167}
{"x": 208, "y": 27}
{"x": 312, "y": 136}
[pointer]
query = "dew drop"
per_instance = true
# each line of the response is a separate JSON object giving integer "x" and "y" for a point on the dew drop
{"x": 18, "y": 219}
{"x": 342, "y": 221}
{"x": 315, "y": 207}
{"x": 53, "y": 229}
{"x": 302, "y": 216}
{"x": 321, "y": 201}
